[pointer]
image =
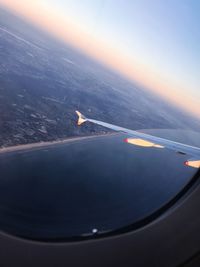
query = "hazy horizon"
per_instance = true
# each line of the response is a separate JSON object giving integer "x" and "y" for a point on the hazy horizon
{"x": 172, "y": 79}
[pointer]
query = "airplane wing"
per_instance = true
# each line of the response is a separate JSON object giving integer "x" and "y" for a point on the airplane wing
{"x": 147, "y": 140}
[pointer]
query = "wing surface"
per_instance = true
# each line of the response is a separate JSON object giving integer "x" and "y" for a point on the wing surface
{"x": 147, "y": 140}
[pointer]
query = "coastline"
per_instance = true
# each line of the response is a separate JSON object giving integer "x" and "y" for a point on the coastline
{"x": 31, "y": 146}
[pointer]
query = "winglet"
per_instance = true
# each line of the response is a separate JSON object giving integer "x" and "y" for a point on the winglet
{"x": 81, "y": 118}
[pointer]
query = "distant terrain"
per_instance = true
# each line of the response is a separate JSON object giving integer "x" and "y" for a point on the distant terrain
{"x": 43, "y": 82}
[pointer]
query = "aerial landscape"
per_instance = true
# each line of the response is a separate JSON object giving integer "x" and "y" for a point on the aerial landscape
{"x": 94, "y": 143}
{"x": 99, "y": 133}
{"x": 43, "y": 81}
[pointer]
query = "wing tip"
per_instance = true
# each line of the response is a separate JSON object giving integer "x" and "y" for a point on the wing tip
{"x": 81, "y": 118}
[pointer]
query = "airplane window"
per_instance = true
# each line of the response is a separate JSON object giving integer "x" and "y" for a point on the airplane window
{"x": 99, "y": 114}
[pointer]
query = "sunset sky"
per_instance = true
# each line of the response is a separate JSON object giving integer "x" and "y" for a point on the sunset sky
{"x": 155, "y": 43}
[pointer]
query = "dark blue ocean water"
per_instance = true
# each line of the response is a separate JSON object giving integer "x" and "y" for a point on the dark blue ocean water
{"x": 68, "y": 190}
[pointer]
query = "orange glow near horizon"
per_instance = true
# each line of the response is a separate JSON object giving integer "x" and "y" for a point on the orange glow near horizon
{"x": 106, "y": 53}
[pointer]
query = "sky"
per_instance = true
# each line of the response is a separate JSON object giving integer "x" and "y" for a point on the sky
{"x": 155, "y": 43}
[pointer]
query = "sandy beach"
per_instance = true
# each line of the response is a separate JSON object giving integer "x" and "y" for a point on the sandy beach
{"x": 47, "y": 144}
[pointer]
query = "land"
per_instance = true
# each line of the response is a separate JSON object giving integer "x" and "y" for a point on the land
{"x": 43, "y": 82}
{"x": 33, "y": 146}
